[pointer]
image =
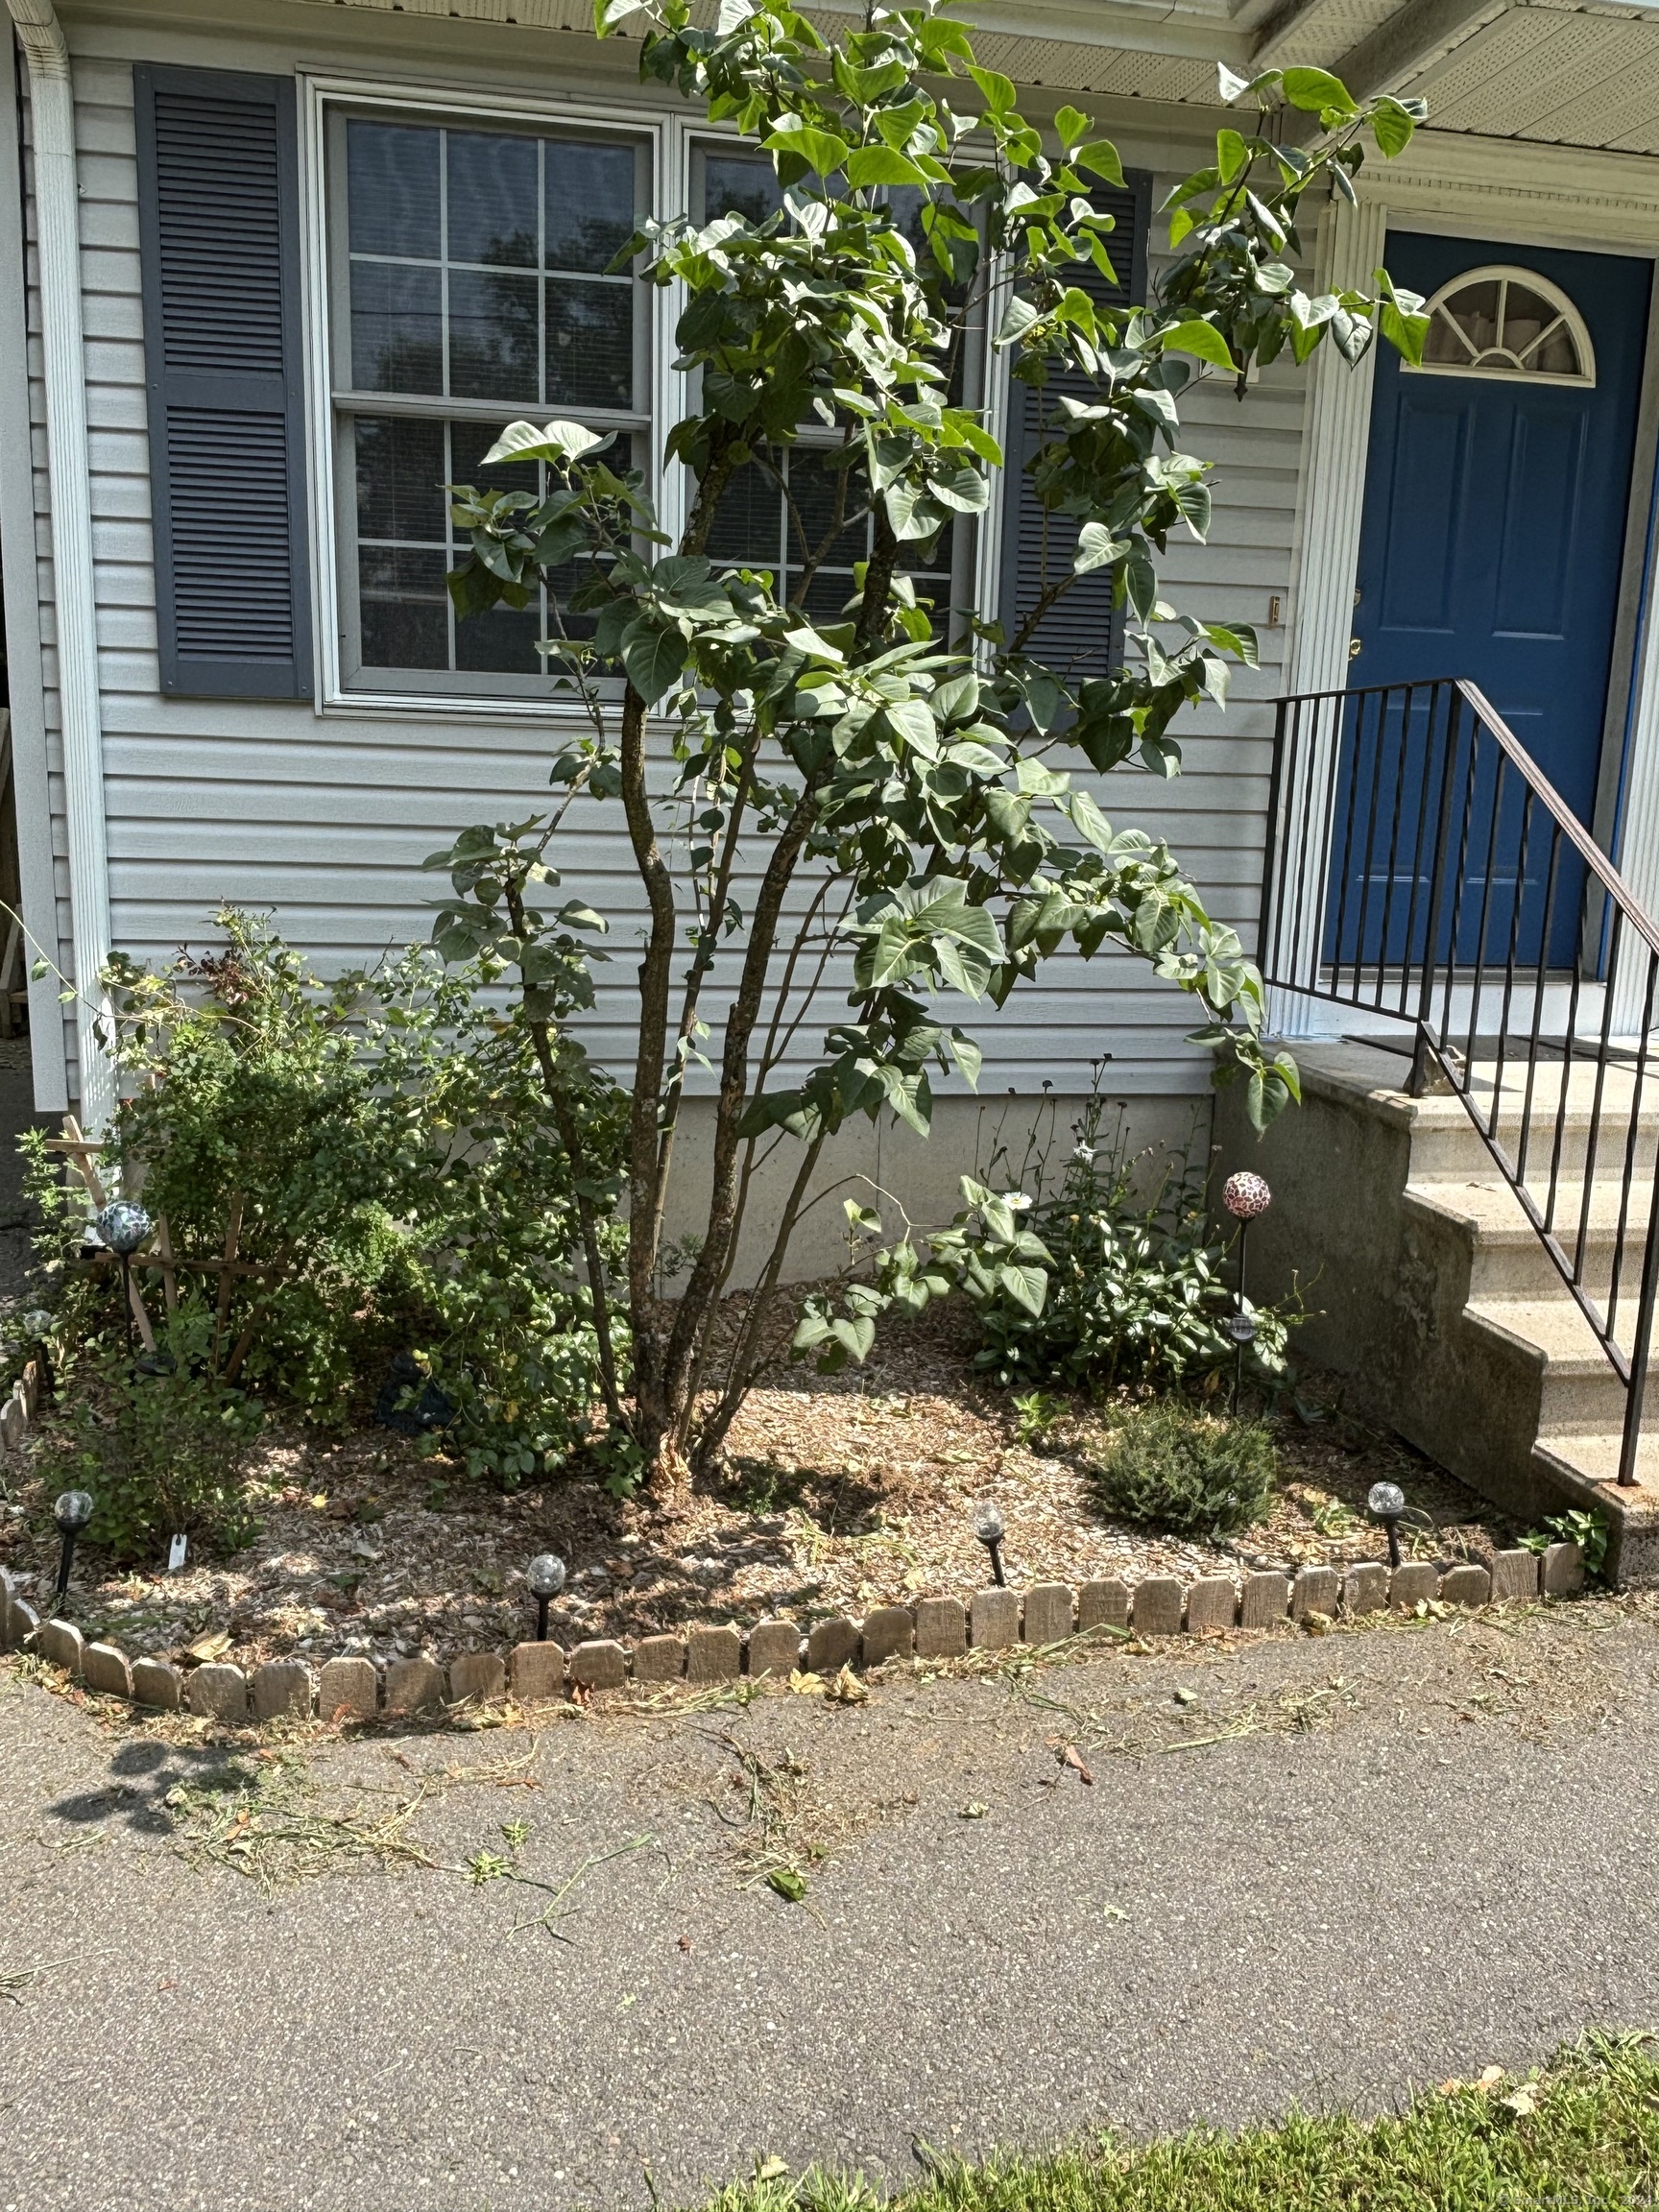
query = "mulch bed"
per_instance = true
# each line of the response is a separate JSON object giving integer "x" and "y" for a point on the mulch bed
{"x": 841, "y": 1493}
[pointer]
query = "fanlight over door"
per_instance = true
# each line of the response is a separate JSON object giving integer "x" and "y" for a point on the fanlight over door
{"x": 1513, "y": 323}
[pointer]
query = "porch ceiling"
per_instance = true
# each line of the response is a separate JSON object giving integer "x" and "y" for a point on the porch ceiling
{"x": 1552, "y": 72}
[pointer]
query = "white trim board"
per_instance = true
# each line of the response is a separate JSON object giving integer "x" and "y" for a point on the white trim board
{"x": 49, "y": 1038}
{"x": 1334, "y": 448}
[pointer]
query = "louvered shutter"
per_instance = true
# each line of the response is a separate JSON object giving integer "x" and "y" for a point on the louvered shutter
{"x": 219, "y": 225}
{"x": 1081, "y": 635}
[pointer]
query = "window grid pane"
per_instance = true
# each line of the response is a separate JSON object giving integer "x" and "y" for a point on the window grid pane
{"x": 475, "y": 269}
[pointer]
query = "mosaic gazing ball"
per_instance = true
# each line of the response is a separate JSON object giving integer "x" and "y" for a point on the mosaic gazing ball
{"x": 123, "y": 1225}
{"x": 1245, "y": 1195}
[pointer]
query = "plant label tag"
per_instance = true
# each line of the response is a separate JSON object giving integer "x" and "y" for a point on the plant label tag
{"x": 175, "y": 1552}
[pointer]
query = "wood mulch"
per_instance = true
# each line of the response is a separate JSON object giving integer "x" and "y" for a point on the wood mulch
{"x": 841, "y": 1493}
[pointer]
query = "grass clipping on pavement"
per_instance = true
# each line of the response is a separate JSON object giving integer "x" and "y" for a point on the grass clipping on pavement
{"x": 1582, "y": 2136}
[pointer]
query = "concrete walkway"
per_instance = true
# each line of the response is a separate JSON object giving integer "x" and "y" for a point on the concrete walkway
{"x": 1343, "y": 1868}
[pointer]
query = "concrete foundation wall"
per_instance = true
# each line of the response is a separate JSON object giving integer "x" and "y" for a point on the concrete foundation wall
{"x": 887, "y": 1165}
{"x": 1387, "y": 1276}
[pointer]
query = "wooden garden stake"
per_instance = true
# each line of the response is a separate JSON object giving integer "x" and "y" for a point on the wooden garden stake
{"x": 79, "y": 1149}
{"x": 232, "y": 1236}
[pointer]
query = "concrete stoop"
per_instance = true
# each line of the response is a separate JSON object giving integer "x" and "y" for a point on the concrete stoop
{"x": 1429, "y": 1287}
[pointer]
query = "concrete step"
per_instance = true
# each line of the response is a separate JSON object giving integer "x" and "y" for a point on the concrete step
{"x": 1508, "y": 1260}
{"x": 1593, "y": 1456}
{"x": 1548, "y": 1132}
{"x": 1431, "y": 1288}
{"x": 1579, "y": 1386}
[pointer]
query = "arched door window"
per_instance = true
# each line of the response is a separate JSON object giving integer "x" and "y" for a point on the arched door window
{"x": 1501, "y": 322}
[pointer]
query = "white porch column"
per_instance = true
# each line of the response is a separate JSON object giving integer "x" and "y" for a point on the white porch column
{"x": 57, "y": 237}
{"x": 1638, "y": 856}
{"x": 1334, "y": 443}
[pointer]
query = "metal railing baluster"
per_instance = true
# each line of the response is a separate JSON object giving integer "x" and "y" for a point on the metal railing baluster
{"x": 1309, "y": 868}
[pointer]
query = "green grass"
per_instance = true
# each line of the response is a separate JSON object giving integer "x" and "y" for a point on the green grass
{"x": 1581, "y": 2137}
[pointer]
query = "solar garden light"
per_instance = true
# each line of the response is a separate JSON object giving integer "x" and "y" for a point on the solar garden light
{"x": 123, "y": 1226}
{"x": 988, "y": 1526}
{"x": 72, "y": 1512}
{"x": 1385, "y": 1502}
{"x": 36, "y": 1322}
{"x": 545, "y": 1576}
{"x": 1244, "y": 1195}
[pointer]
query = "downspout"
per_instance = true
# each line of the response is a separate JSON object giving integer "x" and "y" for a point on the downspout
{"x": 58, "y": 246}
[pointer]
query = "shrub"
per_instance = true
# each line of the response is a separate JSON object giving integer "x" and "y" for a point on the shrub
{"x": 501, "y": 1316}
{"x": 1170, "y": 1466}
{"x": 379, "y": 1156}
{"x": 807, "y": 767}
{"x": 163, "y": 1446}
{"x": 1136, "y": 1288}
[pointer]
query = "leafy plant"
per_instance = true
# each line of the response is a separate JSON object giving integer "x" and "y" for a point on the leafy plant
{"x": 255, "y": 1128}
{"x": 378, "y": 1161}
{"x": 1169, "y": 1466}
{"x": 1586, "y": 1527}
{"x": 1090, "y": 1285}
{"x": 163, "y": 1446}
{"x": 1036, "y": 1414}
{"x": 889, "y": 777}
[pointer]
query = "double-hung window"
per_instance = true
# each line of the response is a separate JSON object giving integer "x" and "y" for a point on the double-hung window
{"x": 470, "y": 283}
{"x": 780, "y": 512}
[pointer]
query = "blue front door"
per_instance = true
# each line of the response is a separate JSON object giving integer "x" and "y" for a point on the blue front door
{"x": 1496, "y": 496}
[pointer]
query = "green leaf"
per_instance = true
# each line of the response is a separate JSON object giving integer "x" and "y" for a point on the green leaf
{"x": 1096, "y": 546}
{"x": 652, "y": 658}
{"x": 1392, "y": 126}
{"x": 1203, "y": 341}
{"x": 788, "y": 1884}
{"x": 968, "y": 1057}
{"x": 1070, "y": 123}
{"x": 1100, "y": 157}
{"x": 1229, "y": 84}
{"x": 1232, "y": 154}
{"x": 1316, "y": 92}
{"x": 821, "y": 150}
{"x": 1028, "y": 1286}
{"x": 996, "y": 90}
{"x": 856, "y": 1336}
{"x": 868, "y": 165}
{"x": 1018, "y": 318}
{"x": 556, "y": 441}
{"x": 1089, "y": 822}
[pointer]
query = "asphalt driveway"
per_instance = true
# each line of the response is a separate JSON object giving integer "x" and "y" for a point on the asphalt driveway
{"x": 494, "y": 1969}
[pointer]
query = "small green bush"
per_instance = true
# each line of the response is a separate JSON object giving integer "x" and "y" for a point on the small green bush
{"x": 1169, "y": 1466}
{"x": 382, "y": 1153}
{"x": 163, "y": 1446}
{"x": 1137, "y": 1287}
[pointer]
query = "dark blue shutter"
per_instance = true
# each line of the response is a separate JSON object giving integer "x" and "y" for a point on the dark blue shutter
{"x": 1081, "y": 635}
{"x": 219, "y": 229}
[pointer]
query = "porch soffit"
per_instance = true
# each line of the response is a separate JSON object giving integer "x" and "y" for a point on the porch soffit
{"x": 1551, "y": 72}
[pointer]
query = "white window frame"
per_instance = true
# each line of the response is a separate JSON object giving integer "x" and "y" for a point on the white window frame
{"x": 671, "y": 141}
{"x": 668, "y": 146}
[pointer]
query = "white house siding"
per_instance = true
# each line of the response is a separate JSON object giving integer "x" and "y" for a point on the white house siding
{"x": 324, "y": 819}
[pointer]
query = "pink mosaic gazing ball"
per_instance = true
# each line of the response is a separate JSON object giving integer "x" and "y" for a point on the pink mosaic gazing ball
{"x": 1245, "y": 1195}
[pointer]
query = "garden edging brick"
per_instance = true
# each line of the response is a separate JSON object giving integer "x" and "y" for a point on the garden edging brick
{"x": 713, "y": 1654}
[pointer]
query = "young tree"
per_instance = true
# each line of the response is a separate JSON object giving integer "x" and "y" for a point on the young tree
{"x": 894, "y": 777}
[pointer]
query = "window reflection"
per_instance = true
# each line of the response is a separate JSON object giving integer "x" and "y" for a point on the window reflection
{"x": 476, "y": 268}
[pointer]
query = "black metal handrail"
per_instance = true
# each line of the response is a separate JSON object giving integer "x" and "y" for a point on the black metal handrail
{"x": 1421, "y": 866}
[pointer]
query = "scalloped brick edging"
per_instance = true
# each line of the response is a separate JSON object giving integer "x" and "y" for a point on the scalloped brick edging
{"x": 996, "y": 1620}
